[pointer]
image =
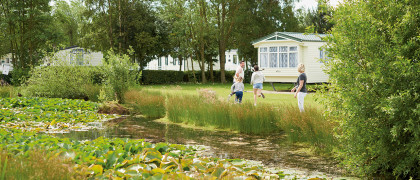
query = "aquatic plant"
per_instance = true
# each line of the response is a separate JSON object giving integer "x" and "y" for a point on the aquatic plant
{"x": 127, "y": 158}
{"x": 203, "y": 111}
{"x": 150, "y": 104}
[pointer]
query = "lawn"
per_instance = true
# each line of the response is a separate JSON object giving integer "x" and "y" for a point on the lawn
{"x": 223, "y": 90}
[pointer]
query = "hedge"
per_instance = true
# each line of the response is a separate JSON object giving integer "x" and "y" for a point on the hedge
{"x": 161, "y": 77}
{"x": 172, "y": 77}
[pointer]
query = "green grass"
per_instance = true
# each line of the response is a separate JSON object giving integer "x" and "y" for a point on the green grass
{"x": 150, "y": 104}
{"x": 223, "y": 90}
{"x": 206, "y": 106}
{"x": 36, "y": 165}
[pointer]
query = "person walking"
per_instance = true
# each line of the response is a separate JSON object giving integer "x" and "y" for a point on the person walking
{"x": 257, "y": 80}
{"x": 300, "y": 87}
{"x": 238, "y": 89}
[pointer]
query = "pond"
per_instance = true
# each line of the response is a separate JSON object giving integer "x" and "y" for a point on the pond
{"x": 273, "y": 151}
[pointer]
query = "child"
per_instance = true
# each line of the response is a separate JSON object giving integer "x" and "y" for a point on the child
{"x": 238, "y": 88}
{"x": 257, "y": 80}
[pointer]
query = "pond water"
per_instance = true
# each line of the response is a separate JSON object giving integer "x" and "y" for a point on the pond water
{"x": 273, "y": 150}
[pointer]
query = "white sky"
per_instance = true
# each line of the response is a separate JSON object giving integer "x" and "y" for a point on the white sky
{"x": 313, "y": 3}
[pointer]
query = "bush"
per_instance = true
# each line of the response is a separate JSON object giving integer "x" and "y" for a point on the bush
{"x": 63, "y": 81}
{"x": 161, "y": 77}
{"x": 150, "y": 104}
{"x": 120, "y": 74}
{"x": 375, "y": 89}
{"x": 188, "y": 77}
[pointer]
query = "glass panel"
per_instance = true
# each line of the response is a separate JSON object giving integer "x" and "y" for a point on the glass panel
{"x": 264, "y": 59}
{"x": 293, "y": 60}
{"x": 273, "y": 60}
{"x": 263, "y": 49}
{"x": 283, "y": 48}
{"x": 174, "y": 61}
{"x": 283, "y": 60}
{"x": 160, "y": 62}
{"x": 235, "y": 59}
{"x": 166, "y": 60}
{"x": 293, "y": 48}
{"x": 273, "y": 49}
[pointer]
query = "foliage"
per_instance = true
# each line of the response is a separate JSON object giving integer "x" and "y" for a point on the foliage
{"x": 120, "y": 75}
{"x": 161, "y": 77}
{"x": 188, "y": 77}
{"x": 105, "y": 158}
{"x": 37, "y": 165}
{"x": 319, "y": 20}
{"x": 374, "y": 89}
{"x": 150, "y": 104}
{"x": 64, "y": 81}
{"x": 311, "y": 127}
{"x": 24, "y": 29}
{"x": 56, "y": 114}
{"x": 120, "y": 25}
{"x": 208, "y": 110}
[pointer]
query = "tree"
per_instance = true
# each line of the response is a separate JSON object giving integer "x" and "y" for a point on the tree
{"x": 137, "y": 26}
{"x": 375, "y": 89}
{"x": 225, "y": 13}
{"x": 318, "y": 21}
{"x": 258, "y": 19}
{"x": 25, "y": 30}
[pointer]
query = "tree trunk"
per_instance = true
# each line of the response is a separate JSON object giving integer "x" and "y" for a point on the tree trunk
{"x": 110, "y": 23}
{"x": 180, "y": 62}
{"x": 119, "y": 19}
{"x": 192, "y": 69}
{"x": 211, "y": 71}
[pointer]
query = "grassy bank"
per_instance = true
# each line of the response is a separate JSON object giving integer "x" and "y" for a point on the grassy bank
{"x": 207, "y": 109}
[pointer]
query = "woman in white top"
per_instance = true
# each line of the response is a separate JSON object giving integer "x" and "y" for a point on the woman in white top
{"x": 257, "y": 80}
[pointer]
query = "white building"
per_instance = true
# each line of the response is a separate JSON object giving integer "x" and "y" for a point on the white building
{"x": 78, "y": 56}
{"x": 279, "y": 54}
{"x": 6, "y": 63}
{"x": 170, "y": 63}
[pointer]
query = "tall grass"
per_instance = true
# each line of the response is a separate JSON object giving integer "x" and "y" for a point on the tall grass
{"x": 36, "y": 166}
{"x": 310, "y": 127}
{"x": 7, "y": 91}
{"x": 150, "y": 104}
{"x": 206, "y": 110}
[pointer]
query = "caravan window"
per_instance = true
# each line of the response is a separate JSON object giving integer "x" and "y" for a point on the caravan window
{"x": 263, "y": 57}
{"x": 273, "y": 57}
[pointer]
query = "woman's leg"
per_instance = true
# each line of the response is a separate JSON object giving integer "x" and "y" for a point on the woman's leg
{"x": 259, "y": 92}
{"x": 301, "y": 98}
{"x": 255, "y": 96}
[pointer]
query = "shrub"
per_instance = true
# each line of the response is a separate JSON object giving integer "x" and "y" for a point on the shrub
{"x": 150, "y": 104}
{"x": 120, "y": 74}
{"x": 161, "y": 77}
{"x": 7, "y": 91}
{"x": 63, "y": 81}
{"x": 188, "y": 77}
{"x": 375, "y": 89}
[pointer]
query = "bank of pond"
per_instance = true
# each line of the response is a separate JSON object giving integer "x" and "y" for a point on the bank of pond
{"x": 27, "y": 122}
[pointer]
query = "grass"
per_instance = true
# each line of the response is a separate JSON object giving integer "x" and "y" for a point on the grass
{"x": 223, "y": 90}
{"x": 37, "y": 165}
{"x": 150, "y": 104}
{"x": 206, "y": 106}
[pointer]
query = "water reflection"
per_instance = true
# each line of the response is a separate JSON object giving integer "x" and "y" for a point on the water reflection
{"x": 273, "y": 150}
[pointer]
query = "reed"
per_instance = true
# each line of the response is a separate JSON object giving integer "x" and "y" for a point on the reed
{"x": 207, "y": 110}
{"x": 150, "y": 104}
{"x": 309, "y": 126}
{"x": 37, "y": 165}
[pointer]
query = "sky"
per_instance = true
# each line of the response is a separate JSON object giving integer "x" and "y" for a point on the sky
{"x": 313, "y": 3}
